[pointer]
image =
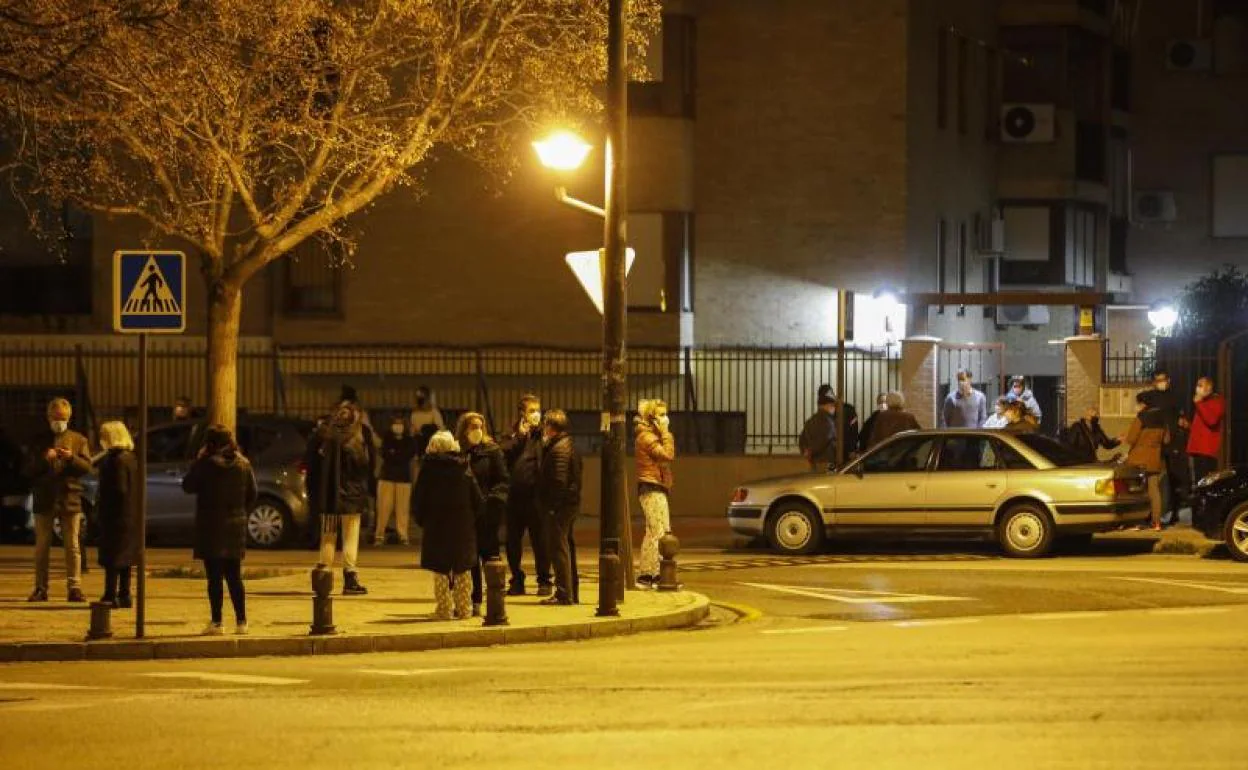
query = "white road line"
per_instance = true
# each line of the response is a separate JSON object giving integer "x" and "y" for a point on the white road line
{"x": 410, "y": 671}
{"x": 806, "y": 630}
{"x": 852, "y": 596}
{"x": 1226, "y": 588}
{"x": 204, "y": 676}
{"x": 935, "y": 622}
{"x": 45, "y": 686}
{"x": 1063, "y": 615}
{"x": 1189, "y": 610}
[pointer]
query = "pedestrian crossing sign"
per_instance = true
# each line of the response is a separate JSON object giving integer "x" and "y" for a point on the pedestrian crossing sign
{"x": 149, "y": 292}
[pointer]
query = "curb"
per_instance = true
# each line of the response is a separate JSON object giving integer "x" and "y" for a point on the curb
{"x": 254, "y": 647}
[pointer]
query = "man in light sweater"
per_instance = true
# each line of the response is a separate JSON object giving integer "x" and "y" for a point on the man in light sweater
{"x": 965, "y": 407}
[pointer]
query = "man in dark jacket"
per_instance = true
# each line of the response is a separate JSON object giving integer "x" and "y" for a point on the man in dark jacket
{"x": 394, "y": 484}
{"x": 58, "y": 461}
{"x": 818, "y": 440}
{"x": 1085, "y": 435}
{"x": 1174, "y": 481}
{"x": 893, "y": 420}
{"x": 559, "y": 493}
{"x": 523, "y": 450}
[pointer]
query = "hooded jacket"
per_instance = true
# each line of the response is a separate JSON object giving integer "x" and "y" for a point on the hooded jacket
{"x": 446, "y": 503}
{"x": 654, "y": 451}
{"x": 345, "y": 459}
{"x": 117, "y": 510}
{"x": 1147, "y": 436}
{"x": 1206, "y": 435}
{"x": 225, "y": 492}
{"x": 57, "y": 484}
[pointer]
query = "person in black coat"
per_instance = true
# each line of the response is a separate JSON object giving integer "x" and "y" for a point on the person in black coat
{"x": 523, "y": 450}
{"x": 1084, "y": 436}
{"x": 394, "y": 484}
{"x": 489, "y": 469}
{"x": 118, "y": 512}
{"x": 342, "y": 457}
{"x": 446, "y": 504}
{"x": 225, "y": 492}
{"x": 559, "y": 494}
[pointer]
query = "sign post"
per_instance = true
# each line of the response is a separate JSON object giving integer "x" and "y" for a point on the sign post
{"x": 149, "y": 297}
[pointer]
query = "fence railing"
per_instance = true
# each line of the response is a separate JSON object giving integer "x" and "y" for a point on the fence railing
{"x": 723, "y": 400}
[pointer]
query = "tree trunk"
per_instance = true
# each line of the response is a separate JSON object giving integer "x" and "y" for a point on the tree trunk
{"x": 225, "y": 303}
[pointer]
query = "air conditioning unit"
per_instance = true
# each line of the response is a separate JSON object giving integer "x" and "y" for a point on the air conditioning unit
{"x": 1022, "y": 315}
{"x": 1150, "y": 206}
{"x": 1189, "y": 55}
{"x": 1028, "y": 123}
{"x": 990, "y": 234}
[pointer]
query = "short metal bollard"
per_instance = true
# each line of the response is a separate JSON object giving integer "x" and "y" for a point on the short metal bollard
{"x": 609, "y": 580}
{"x": 669, "y": 546}
{"x": 495, "y": 593}
{"x": 322, "y": 602}
{"x": 101, "y": 621}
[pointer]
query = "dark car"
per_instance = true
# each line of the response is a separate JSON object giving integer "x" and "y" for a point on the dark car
{"x": 1220, "y": 509}
{"x": 275, "y": 447}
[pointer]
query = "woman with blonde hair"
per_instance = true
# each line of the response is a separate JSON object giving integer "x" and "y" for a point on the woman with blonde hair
{"x": 118, "y": 512}
{"x": 654, "y": 451}
{"x": 489, "y": 469}
{"x": 446, "y": 503}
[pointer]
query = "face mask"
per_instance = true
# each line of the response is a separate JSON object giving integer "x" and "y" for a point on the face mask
{"x": 476, "y": 436}
{"x": 1163, "y": 386}
{"x": 534, "y": 417}
{"x": 663, "y": 422}
{"x": 396, "y": 430}
{"x": 59, "y": 426}
{"x": 881, "y": 407}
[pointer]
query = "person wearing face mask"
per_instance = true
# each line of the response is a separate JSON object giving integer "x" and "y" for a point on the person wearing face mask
{"x": 394, "y": 484}
{"x": 344, "y": 455}
{"x": 1020, "y": 392}
{"x": 654, "y": 450}
{"x": 1146, "y": 438}
{"x": 446, "y": 505}
{"x": 58, "y": 461}
{"x": 559, "y": 498}
{"x": 998, "y": 419}
{"x": 523, "y": 450}
{"x": 117, "y": 509}
{"x": 1204, "y": 445}
{"x": 1174, "y": 479}
{"x": 426, "y": 418}
{"x": 489, "y": 469}
{"x": 965, "y": 407}
{"x": 1085, "y": 435}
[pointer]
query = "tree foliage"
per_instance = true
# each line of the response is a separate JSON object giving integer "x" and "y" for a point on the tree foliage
{"x": 1215, "y": 306}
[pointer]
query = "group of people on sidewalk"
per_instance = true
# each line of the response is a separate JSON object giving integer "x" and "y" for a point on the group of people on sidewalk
{"x": 1015, "y": 411}
{"x": 818, "y": 440}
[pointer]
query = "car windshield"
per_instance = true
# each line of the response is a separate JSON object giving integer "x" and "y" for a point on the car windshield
{"x": 1051, "y": 450}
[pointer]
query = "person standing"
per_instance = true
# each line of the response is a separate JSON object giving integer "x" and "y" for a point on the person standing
{"x": 489, "y": 469}
{"x": 654, "y": 451}
{"x": 1020, "y": 392}
{"x": 426, "y": 418}
{"x": 118, "y": 512}
{"x": 864, "y": 436}
{"x": 394, "y": 486}
{"x": 446, "y": 504}
{"x": 893, "y": 420}
{"x": 58, "y": 461}
{"x": 965, "y": 406}
{"x": 1204, "y": 443}
{"x": 817, "y": 443}
{"x": 225, "y": 492}
{"x": 523, "y": 450}
{"x": 1146, "y": 438}
{"x": 559, "y": 495}
{"x": 1085, "y": 435}
{"x": 852, "y": 427}
{"x": 345, "y": 457}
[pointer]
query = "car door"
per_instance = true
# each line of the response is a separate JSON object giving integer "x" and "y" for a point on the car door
{"x": 966, "y": 482}
{"x": 886, "y": 488}
{"x": 170, "y": 511}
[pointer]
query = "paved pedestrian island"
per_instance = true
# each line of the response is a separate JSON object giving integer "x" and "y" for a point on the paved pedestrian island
{"x": 396, "y": 615}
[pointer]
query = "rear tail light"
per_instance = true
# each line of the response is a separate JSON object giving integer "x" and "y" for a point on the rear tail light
{"x": 1113, "y": 487}
{"x": 302, "y": 468}
{"x": 740, "y": 494}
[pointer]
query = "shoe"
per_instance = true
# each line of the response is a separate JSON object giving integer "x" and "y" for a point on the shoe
{"x": 38, "y": 595}
{"x": 124, "y": 602}
{"x": 378, "y": 543}
{"x": 556, "y": 601}
{"x": 1156, "y": 527}
{"x": 476, "y": 609}
{"x": 351, "y": 584}
{"x": 212, "y": 629}
{"x": 645, "y": 582}
{"x": 75, "y": 596}
{"x": 109, "y": 600}
{"x": 241, "y": 629}
{"x": 545, "y": 589}
{"x": 515, "y": 589}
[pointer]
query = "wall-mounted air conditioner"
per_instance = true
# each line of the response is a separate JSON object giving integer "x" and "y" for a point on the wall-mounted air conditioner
{"x": 1022, "y": 315}
{"x": 1151, "y": 206}
{"x": 1189, "y": 55}
{"x": 1028, "y": 123}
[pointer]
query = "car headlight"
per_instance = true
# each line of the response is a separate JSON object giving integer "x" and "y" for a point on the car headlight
{"x": 1213, "y": 478}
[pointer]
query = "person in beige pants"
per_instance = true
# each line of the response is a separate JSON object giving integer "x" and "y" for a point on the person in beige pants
{"x": 394, "y": 484}
{"x": 58, "y": 462}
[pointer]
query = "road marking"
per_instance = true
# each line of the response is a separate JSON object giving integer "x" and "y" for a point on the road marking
{"x": 744, "y": 612}
{"x": 806, "y": 630}
{"x": 204, "y": 676}
{"x": 1064, "y": 615}
{"x": 1189, "y": 610}
{"x": 935, "y": 622}
{"x": 410, "y": 671}
{"x": 852, "y": 596}
{"x": 1226, "y": 588}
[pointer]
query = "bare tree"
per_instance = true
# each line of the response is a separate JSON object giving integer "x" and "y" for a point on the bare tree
{"x": 244, "y": 127}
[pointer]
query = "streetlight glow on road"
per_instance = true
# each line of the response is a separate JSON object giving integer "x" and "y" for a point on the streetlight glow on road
{"x": 562, "y": 151}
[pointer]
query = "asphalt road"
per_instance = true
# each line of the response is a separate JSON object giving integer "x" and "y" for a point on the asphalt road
{"x": 874, "y": 660}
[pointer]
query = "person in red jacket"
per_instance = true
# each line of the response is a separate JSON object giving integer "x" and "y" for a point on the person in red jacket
{"x": 1204, "y": 444}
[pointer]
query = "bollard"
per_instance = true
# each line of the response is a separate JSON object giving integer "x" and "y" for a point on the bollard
{"x": 609, "y": 579}
{"x": 495, "y": 592}
{"x": 101, "y": 621}
{"x": 322, "y": 602}
{"x": 669, "y": 546}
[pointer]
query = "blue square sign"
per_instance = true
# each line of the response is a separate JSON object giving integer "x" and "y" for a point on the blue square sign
{"x": 149, "y": 292}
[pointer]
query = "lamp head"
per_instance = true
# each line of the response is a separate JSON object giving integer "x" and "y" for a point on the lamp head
{"x": 562, "y": 151}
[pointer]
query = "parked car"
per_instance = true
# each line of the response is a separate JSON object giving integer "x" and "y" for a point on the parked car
{"x": 1220, "y": 509}
{"x": 1025, "y": 491}
{"x": 275, "y": 447}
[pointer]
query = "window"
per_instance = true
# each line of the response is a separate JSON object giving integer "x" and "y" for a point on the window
{"x": 39, "y": 277}
{"x": 964, "y": 82}
{"x": 1010, "y": 457}
{"x": 168, "y": 445}
{"x": 661, "y": 278}
{"x": 942, "y": 77}
{"x": 967, "y": 453}
{"x": 908, "y": 455}
{"x": 670, "y": 62}
{"x": 312, "y": 279}
{"x": 1230, "y": 196}
{"x": 1051, "y": 450}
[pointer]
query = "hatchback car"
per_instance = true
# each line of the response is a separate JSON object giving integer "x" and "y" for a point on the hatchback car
{"x": 1025, "y": 491}
{"x": 1220, "y": 509}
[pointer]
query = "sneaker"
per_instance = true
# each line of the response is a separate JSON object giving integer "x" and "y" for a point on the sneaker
{"x": 38, "y": 595}
{"x": 212, "y": 629}
{"x": 76, "y": 596}
{"x": 545, "y": 589}
{"x": 109, "y": 600}
{"x": 241, "y": 629}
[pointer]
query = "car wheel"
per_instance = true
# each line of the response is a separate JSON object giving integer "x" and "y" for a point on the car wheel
{"x": 1235, "y": 533}
{"x": 1025, "y": 531}
{"x": 795, "y": 529}
{"x": 269, "y": 524}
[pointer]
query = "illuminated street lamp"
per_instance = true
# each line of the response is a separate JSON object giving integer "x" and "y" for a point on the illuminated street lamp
{"x": 562, "y": 151}
{"x": 1162, "y": 316}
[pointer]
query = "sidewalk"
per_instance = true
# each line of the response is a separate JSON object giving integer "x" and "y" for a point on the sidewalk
{"x": 396, "y": 615}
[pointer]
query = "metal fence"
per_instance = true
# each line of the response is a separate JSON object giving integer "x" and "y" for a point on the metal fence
{"x": 723, "y": 400}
